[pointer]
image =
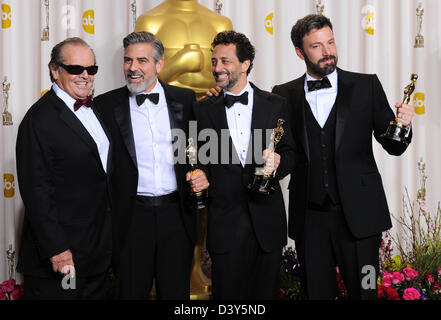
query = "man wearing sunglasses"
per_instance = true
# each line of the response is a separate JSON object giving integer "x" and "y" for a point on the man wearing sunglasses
{"x": 63, "y": 168}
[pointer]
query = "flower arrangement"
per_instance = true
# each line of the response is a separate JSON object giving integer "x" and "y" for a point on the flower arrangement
{"x": 414, "y": 274}
{"x": 9, "y": 290}
{"x": 290, "y": 275}
{"x": 290, "y": 284}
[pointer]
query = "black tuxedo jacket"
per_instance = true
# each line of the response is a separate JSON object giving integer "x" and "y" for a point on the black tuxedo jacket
{"x": 362, "y": 109}
{"x": 228, "y": 196}
{"x": 115, "y": 109}
{"x": 65, "y": 191}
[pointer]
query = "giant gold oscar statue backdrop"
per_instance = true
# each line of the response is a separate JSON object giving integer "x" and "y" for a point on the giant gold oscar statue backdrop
{"x": 186, "y": 28}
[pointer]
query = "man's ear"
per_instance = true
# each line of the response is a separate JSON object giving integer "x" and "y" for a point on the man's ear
{"x": 54, "y": 71}
{"x": 246, "y": 65}
{"x": 159, "y": 65}
{"x": 299, "y": 53}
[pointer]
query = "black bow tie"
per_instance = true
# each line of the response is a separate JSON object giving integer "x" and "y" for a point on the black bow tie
{"x": 229, "y": 99}
{"x": 153, "y": 97}
{"x": 319, "y": 84}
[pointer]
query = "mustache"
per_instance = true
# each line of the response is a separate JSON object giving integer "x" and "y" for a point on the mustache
{"x": 326, "y": 58}
{"x": 216, "y": 74}
{"x": 134, "y": 73}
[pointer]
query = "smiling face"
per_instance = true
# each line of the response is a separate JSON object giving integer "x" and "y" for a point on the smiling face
{"x": 140, "y": 69}
{"x": 230, "y": 74}
{"x": 77, "y": 86}
{"x": 319, "y": 52}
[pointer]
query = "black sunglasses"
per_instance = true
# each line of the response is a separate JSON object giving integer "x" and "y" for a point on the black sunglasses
{"x": 76, "y": 69}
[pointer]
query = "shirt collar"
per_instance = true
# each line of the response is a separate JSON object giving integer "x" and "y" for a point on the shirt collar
{"x": 63, "y": 95}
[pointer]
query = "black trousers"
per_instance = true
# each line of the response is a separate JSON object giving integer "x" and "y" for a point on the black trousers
{"x": 245, "y": 272}
{"x": 157, "y": 248}
{"x": 328, "y": 243}
{"x": 80, "y": 288}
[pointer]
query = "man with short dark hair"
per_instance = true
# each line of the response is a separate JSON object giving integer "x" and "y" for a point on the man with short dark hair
{"x": 154, "y": 230}
{"x": 63, "y": 165}
{"x": 246, "y": 231}
{"x": 337, "y": 205}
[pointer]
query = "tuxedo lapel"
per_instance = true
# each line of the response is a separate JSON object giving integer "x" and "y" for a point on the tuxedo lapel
{"x": 260, "y": 110}
{"x": 259, "y": 120}
{"x": 122, "y": 117}
{"x": 298, "y": 113}
{"x": 175, "y": 109}
{"x": 343, "y": 104}
{"x": 67, "y": 116}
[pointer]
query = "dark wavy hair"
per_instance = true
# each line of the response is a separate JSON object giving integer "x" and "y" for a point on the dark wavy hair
{"x": 244, "y": 49}
{"x": 305, "y": 25}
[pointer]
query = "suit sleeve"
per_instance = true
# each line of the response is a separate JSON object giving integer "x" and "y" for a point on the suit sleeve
{"x": 37, "y": 192}
{"x": 382, "y": 115}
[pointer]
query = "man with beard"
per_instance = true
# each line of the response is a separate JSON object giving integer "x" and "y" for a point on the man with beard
{"x": 337, "y": 205}
{"x": 246, "y": 232}
{"x": 154, "y": 233}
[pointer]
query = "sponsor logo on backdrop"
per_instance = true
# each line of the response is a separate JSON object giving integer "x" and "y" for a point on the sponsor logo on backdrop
{"x": 419, "y": 103}
{"x": 89, "y": 21}
{"x": 269, "y": 23}
{"x": 9, "y": 185}
{"x": 368, "y": 21}
{"x": 6, "y": 16}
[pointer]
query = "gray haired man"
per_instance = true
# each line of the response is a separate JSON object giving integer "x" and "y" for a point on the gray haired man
{"x": 153, "y": 231}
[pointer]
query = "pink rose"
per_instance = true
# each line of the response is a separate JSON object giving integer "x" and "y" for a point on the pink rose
{"x": 7, "y": 286}
{"x": 439, "y": 271}
{"x": 387, "y": 279}
{"x": 397, "y": 277}
{"x": 436, "y": 287}
{"x": 18, "y": 293}
{"x": 3, "y": 296}
{"x": 410, "y": 273}
{"x": 411, "y": 294}
{"x": 429, "y": 278}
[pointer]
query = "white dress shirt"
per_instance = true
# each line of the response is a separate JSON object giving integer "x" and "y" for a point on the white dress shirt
{"x": 90, "y": 122}
{"x": 239, "y": 118}
{"x": 321, "y": 101}
{"x": 153, "y": 145}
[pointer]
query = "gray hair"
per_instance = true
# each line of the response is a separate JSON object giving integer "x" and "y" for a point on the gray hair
{"x": 146, "y": 37}
{"x": 57, "y": 58}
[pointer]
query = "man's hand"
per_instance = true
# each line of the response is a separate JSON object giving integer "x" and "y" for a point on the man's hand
{"x": 213, "y": 92}
{"x": 198, "y": 180}
{"x": 63, "y": 262}
{"x": 405, "y": 114}
{"x": 272, "y": 160}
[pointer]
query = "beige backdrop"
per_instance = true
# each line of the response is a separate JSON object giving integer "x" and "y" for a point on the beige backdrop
{"x": 373, "y": 36}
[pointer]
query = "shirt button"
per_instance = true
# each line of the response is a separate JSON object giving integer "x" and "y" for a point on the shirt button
{"x": 326, "y": 185}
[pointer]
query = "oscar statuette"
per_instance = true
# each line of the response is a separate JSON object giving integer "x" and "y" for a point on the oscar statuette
{"x": 7, "y": 117}
{"x": 261, "y": 181}
{"x": 396, "y": 131}
{"x": 197, "y": 199}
